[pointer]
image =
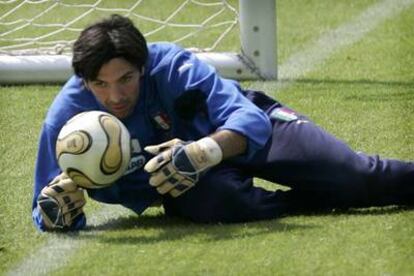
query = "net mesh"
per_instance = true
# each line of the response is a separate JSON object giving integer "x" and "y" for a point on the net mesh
{"x": 51, "y": 26}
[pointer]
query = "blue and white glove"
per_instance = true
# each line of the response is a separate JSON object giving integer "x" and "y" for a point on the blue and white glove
{"x": 60, "y": 202}
{"x": 177, "y": 165}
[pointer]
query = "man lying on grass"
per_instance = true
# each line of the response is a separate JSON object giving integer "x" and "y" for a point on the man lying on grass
{"x": 204, "y": 138}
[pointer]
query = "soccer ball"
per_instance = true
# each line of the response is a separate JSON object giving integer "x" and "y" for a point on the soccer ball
{"x": 93, "y": 149}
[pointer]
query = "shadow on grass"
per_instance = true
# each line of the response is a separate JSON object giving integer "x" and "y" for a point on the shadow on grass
{"x": 149, "y": 229}
{"x": 368, "y": 211}
{"x": 158, "y": 228}
{"x": 375, "y": 211}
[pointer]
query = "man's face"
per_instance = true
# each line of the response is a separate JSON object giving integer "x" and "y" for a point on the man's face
{"x": 117, "y": 87}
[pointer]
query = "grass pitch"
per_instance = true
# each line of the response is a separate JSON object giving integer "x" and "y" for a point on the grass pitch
{"x": 363, "y": 93}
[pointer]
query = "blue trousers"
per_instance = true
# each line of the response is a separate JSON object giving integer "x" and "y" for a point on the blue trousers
{"x": 321, "y": 171}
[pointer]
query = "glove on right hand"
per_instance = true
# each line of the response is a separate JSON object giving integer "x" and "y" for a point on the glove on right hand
{"x": 60, "y": 202}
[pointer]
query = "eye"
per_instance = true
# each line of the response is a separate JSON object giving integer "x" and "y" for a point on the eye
{"x": 125, "y": 79}
{"x": 100, "y": 84}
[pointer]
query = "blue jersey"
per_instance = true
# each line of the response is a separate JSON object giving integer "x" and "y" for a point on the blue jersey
{"x": 180, "y": 97}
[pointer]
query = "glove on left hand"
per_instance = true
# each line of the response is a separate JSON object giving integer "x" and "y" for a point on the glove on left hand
{"x": 177, "y": 165}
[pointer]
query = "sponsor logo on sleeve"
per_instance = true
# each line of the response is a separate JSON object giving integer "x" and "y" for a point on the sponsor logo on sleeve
{"x": 138, "y": 160}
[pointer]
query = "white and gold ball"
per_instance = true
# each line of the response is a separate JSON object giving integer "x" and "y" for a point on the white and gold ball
{"x": 93, "y": 149}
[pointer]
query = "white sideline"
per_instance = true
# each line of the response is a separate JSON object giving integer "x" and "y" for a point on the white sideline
{"x": 57, "y": 251}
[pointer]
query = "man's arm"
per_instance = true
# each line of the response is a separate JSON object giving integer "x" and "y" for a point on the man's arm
{"x": 230, "y": 142}
{"x": 220, "y": 100}
{"x": 241, "y": 128}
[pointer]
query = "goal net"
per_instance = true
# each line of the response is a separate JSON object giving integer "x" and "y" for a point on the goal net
{"x": 237, "y": 37}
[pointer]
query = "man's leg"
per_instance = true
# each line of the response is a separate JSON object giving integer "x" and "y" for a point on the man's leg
{"x": 324, "y": 172}
{"x": 324, "y": 177}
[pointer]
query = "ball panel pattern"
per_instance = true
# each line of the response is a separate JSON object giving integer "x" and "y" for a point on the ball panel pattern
{"x": 76, "y": 142}
{"x": 81, "y": 179}
{"x": 112, "y": 157}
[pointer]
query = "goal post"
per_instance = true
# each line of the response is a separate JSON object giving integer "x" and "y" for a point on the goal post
{"x": 256, "y": 58}
{"x": 258, "y": 36}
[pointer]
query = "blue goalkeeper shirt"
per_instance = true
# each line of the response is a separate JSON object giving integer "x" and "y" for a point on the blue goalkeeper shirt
{"x": 180, "y": 97}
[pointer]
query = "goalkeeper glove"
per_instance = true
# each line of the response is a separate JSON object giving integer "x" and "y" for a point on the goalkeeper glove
{"x": 177, "y": 165}
{"x": 60, "y": 202}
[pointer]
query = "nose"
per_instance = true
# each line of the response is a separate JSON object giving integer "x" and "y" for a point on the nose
{"x": 116, "y": 93}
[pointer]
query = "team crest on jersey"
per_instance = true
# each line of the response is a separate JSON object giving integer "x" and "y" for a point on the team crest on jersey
{"x": 162, "y": 121}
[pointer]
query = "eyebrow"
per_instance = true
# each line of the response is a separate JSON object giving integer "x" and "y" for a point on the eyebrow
{"x": 127, "y": 73}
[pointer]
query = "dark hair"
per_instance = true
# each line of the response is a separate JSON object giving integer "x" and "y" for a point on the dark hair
{"x": 114, "y": 37}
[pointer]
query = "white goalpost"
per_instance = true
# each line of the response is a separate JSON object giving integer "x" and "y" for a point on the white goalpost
{"x": 45, "y": 56}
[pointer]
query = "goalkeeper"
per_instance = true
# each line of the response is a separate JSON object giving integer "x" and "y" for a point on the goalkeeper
{"x": 198, "y": 140}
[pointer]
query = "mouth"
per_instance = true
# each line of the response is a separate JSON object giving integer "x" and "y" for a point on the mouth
{"x": 120, "y": 109}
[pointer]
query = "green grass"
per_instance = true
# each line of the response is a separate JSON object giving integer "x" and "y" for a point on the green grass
{"x": 301, "y": 21}
{"x": 364, "y": 94}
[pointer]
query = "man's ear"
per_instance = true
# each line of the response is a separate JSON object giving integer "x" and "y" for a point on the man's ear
{"x": 142, "y": 71}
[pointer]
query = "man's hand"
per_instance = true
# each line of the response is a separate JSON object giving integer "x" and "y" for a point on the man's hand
{"x": 60, "y": 202}
{"x": 177, "y": 165}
